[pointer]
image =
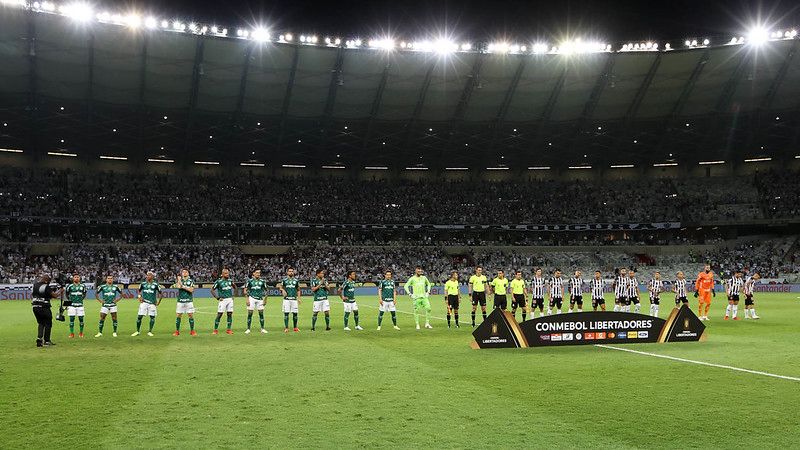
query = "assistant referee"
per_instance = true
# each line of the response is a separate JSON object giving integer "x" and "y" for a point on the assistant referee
{"x": 42, "y": 294}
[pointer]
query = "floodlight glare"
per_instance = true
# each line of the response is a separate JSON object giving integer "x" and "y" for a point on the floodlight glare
{"x": 757, "y": 36}
{"x": 260, "y": 35}
{"x": 150, "y": 22}
{"x": 78, "y": 11}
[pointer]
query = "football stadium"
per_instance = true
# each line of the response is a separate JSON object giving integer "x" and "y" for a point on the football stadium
{"x": 248, "y": 234}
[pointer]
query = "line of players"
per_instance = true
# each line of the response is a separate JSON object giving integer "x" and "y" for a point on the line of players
{"x": 418, "y": 287}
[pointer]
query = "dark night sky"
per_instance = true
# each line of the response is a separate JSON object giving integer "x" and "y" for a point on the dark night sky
{"x": 611, "y": 20}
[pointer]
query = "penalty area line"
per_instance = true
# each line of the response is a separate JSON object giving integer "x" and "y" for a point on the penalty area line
{"x": 701, "y": 363}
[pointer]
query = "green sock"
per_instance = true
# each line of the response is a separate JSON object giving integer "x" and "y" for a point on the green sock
{"x": 138, "y": 323}
{"x": 380, "y": 317}
{"x": 191, "y": 323}
{"x": 80, "y": 323}
{"x": 114, "y": 324}
{"x": 100, "y": 325}
{"x": 230, "y": 320}
{"x": 394, "y": 318}
{"x": 261, "y": 318}
{"x": 327, "y": 321}
{"x": 72, "y": 324}
{"x": 355, "y": 317}
{"x": 249, "y": 320}
{"x": 152, "y": 322}
{"x": 177, "y": 324}
{"x": 314, "y": 321}
{"x": 294, "y": 319}
{"x": 286, "y": 320}
{"x": 346, "y": 318}
{"x": 216, "y": 322}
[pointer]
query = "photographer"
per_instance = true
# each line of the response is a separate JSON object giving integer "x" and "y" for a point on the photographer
{"x": 42, "y": 294}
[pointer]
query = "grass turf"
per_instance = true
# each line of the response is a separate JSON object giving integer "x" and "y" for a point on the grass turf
{"x": 391, "y": 388}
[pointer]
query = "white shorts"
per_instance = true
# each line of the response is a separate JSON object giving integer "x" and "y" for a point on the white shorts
{"x": 350, "y": 307}
{"x": 147, "y": 309}
{"x": 76, "y": 311}
{"x": 225, "y": 305}
{"x": 289, "y": 306}
{"x": 184, "y": 308}
{"x": 254, "y": 304}
{"x": 321, "y": 305}
{"x": 108, "y": 309}
{"x": 388, "y": 306}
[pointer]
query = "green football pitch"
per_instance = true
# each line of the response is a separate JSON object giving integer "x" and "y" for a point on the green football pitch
{"x": 392, "y": 388}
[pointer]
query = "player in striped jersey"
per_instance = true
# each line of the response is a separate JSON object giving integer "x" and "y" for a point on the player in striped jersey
{"x": 655, "y": 287}
{"x": 679, "y": 288}
{"x": 537, "y": 288}
{"x": 748, "y": 288}
{"x": 576, "y": 292}
{"x": 620, "y": 289}
{"x": 733, "y": 288}
{"x": 555, "y": 286}
{"x": 633, "y": 293}
{"x": 598, "y": 286}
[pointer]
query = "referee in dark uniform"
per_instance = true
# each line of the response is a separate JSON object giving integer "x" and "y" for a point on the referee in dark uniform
{"x": 42, "y": 294}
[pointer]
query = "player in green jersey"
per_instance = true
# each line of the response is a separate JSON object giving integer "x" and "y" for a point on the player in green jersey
{"x": 185, "y": 303}
{"x": 256, "y": 291}
{"x": 222, "y": 290}
{"x": 347, "y": 291}
{"x": 320, "y": 288}
{"x": 149, "y": 298}
{"x": 387, "y": 299}
{"x": 76, "y": 294}
{"x": 452, "y": 298}
{"x": 290, "y": 289}
{"x": 111, "y": 295}
{"x": 419, "y": 288}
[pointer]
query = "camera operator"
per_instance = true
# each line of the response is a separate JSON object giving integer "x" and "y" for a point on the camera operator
{"x": 42, "y": 294}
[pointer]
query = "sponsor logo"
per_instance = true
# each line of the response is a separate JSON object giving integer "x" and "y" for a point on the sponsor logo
{"x": 494, "y": 328}
{"x": 599, "y": 336}
{"x": 622, "y": 335}
{"x": 555, "y": 337}
{"x": 591, "y": 336}
{"x": 578, "y": 337}
{"x": 566, "y": 337}
{"x": 644, "y": 334}
{"x": 544, "y": 337}
{"x": 686, "y": 323}
{"x": 632, "y": 335}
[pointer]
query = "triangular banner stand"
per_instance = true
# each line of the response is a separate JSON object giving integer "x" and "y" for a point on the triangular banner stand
{"x": 499, "y": 330}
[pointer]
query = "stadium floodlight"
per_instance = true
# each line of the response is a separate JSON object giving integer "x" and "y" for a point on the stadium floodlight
{"x": 417, "y": 168}
{"x": 151, "y": 23}
{"x": 20, "y": 3}
{"x": 710, "y": 163}
{"x": 178, "y": 26}
{"x": 81, "y": 12}
{"x": 376, "y": 168}
{"x": 498, "y": 168}
{"x": 260, "y": 34}
{"x": 302, "y": 38}
{"x": 386, "y": 43}
{"x": 293, "y": 166}
{"x": 456, "y": 168}
{"x": 797, "y": 157}
{"x": 752, "y": 160}
{"x": 579, "y": 167}
{"x": 49, "y": 6}
{"x": 540, "y": 47}
{"x": 757, "y": 36}
{"x": 334, "y": 167}
{"x": 10, "y": 150}
{"x": 667, "y": 46}
{"x": 466, "y": 46}
{"x": 132, "y": 20}
{"x": 252, "y": 164}
{"x": 539, "y": 168}
{"x": 160, "y": 160}
{"x": 706, "y": 41}
{"x": 288, "y": 37}
{"x": 71, "y": 155}
{"x": 207, "y": 163}
{"x": 622, "y": 166}
{"x": 673, "y": 164}
{"x": 164, "y": 24}
{"x": 114, "y": 158}
{"x": 337, "y": 41}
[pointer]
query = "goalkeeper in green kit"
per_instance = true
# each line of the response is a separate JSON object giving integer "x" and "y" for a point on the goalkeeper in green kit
{"x": 419, "y": 287}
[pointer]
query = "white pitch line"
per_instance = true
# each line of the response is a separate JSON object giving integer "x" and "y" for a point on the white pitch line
{"x": 702, "y": 363}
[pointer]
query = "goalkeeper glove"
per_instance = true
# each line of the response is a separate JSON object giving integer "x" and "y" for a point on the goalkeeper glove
{"x": 696, "y": 294}
{"x": 713, "y": 293}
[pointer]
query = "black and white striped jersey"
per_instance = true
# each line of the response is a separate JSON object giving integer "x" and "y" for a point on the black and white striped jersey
{"x": 575, "y": 286}
{"x": 537, "y": 286}
{"x": 735, "y": 286}
{"x": 749, "y": 284}
{"x": 633, "y": 287}
{"x": 680, "y": 288}
{"x": 597, "y": 288}
{"x": 556, "y": 287}
{"x": 655, "y": 287}
{"x": 620, "y": 286}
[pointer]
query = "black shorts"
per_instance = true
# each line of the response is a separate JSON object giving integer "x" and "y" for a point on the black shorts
{"x": 679, "y": 300}
{"x": 518, "y": 300}
{"x": 634, "y": 300}
{"x": 748, "y": 300}
{"x": 500, "y": 302}
{"x": 576, "y": 299}
{"x": 598, "y": 301}
{"x": 556, "y": 301}
{"x": 478, "y": 298}
{"x": 734, "y": 298}
{"x": 537, "y": 302}
{"x": 654, "y": 300}
{"x": 620, "y": 300}
{"x": 452, "y": 301}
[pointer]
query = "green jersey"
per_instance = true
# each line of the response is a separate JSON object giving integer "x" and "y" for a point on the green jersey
{"x": 349, "y": 291}
{"x": 321, "y": 293}
{"x": 76, "y": 293}
{"x": 224, "y": 288}
{"x": 256, "y": 288}
{"x": 149, "y": 292}
{"x": 291, "y": 286}
{"x": 185, "y": 296}
{"x": 386, "y": 290}
{"x": 108, "y": 294}
{"x": 418, "y": 286}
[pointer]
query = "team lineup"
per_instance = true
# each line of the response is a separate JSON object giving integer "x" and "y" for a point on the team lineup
{"x": 526, "y": 296}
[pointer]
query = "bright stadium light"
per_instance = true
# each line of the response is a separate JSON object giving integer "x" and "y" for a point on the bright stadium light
{"x": 10, "y": 150}
{"x": 539, "y": 48}
{"x": 81, "y": 12}
{"x": 334, "y": 167}
{"x": 456, "y": 168}
{"x": 252, "y": 164}
{"x": 752, "y": 160}
{"x": 757, "y": 36}
{"x": 160, "y": 160}
{"x": 665, "y": 164}
{"x": 579, "y": 167}
{"x": 622, "y": 166}
{"x": 133, "y": 21}
{"x": 207, "y": 163}
{"x": 114, "y": 158}
{"x": 151, "y": 23}
{"x": 71, "y": 155}
{"x": 539, "y": 168}
{"x": 376, "y": 168}
{"x": 710, "y": 163}
{"x": 466, "y": 46}
{"x": 260, "y": 35}
{"x": 293, "y": 166}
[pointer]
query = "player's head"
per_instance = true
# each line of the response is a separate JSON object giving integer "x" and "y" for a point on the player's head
{"x": 257, "y": 273}
{"x": 320, "y": 273}
{"x": 109, "y": 279}
{"x": 185, "y": 273}
{"x": 756, "y": 276}
{"x": 578, "y": 274}
{"x": 538, "y": 272}
{"x": 478, "y": 270}
{"x": 225, "y": 272}
{"x": 418, "y": 271}
{"x": 290, "y": 272}
{"x": 351, "y": 275}
{"x": 454, "y": 275}
{"x": 150, "y": 275}
{"x": 500, "y": 274}
{"x": 76, "y": 278}
{"x": 557, "y": 273}
{"x": 623, "y": 271}
{"x": 387, "y": 275}
{"x": 518, "y": 275}
{"x": 597, "y": 274}
{"x": 680, "y": 275}
{"x": 738, "y": 274}
{"x": 707, "y": 268}
{"x": 632, "y": 273}
{"x": 657, "y": 275}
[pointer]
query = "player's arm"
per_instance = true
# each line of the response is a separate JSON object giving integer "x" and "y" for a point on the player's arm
{"x": 394, "y": 294}
{"x": 341, "y": 291}
{"x": 427, "y": 286}
{"x": 214, "y": 291}
{"x": 407, "y": 287}
{"x": 299, "y": 293}
{"x": 280, "y": 286}
{"x": 139, "y": 294}
{"x": 469, "y": 287}
{"x": 118, "y": 296}
{"x": 160, "y": 294}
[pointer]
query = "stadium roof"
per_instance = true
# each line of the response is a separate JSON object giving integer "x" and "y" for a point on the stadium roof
{"x": 103, "y": 89}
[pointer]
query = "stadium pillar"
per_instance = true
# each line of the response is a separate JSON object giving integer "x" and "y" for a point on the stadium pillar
{"x": 33, "y": 97}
